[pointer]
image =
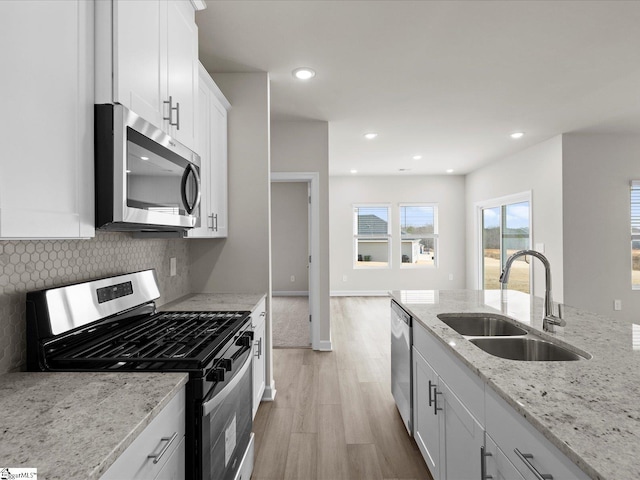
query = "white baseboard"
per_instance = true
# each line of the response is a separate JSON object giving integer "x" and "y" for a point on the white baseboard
{"x": 269, "y": 394}
{"x": 360, "y": 293}
{"x": 289, "y": 294}
{"x": 325, "y": 346}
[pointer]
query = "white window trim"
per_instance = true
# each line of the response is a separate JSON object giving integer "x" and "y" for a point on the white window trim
{"x": 525, "y": 196}
{"x": 435, "y": 235}
{"x": 354, "y": 224}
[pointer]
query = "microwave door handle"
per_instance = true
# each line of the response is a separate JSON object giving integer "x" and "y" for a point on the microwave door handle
{"x": 183, "y": 187}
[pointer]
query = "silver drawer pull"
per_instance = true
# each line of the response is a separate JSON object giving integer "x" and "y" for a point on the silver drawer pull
{"x": 157, "y": 456}
{"x": 526, "y": 458}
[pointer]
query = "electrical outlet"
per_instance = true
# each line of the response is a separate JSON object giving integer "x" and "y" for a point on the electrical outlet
{"x": 172, "y": 267}
{"x": 293, "y": 278}
{"x": 451, "y": 276}
{"x": 617, "y": 305}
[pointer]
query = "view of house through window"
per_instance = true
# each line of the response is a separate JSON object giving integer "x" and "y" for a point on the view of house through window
{"x": 635, "y": 234}
{"x": 419, "y": 235}
{"x": 505, "y": 230}
{"x": 371, "y": 235}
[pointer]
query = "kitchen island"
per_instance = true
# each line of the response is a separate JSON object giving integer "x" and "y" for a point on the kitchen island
{"x": 73, "y": 426}
{"x": 588, "y": 409}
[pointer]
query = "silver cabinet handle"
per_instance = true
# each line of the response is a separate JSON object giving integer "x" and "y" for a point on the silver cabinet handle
{"x": 210, "y": 227}
{"x": 526, "y": 458}
{"x": 431, "y": 385}
{"x": 215, "y": 222}
{"x": 170, "y": 102}
{"x": 262, "y": 314}
{"x": 171, "y": 110}
{"x": 483, "y": 464}
{"x": 259, "y": 345}
{"x": 157, "y": 456}
{"x": 436, "y": 408}
{"x": 177, "y": 124}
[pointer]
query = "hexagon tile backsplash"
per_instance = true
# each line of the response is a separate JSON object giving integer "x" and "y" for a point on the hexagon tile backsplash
{"x": 34, "y": 265}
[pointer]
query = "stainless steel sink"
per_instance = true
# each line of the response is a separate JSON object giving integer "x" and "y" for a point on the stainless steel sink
{"x": 526, "y": 349}
{"x": 480, "y": 324}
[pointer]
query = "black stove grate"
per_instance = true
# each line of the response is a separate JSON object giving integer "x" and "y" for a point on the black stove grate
{"x": 170, "y": 336}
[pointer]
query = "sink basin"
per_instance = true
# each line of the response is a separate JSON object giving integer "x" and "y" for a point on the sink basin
{"x": 480, "y": 324}
{"x": 526, "y": 349}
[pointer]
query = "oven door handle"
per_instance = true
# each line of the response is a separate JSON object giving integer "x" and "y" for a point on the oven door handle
{"x": 217, "y": 399}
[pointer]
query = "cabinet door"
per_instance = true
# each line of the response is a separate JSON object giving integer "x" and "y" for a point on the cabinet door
{"x": 174, "y": 469}
{"x": 46, "y": 171}
{"x": 463, "y": 437}
{"x": 139, "y": 61}
{"x": 182, "y": 70}
{"x": 427, "y": 423}
{"x": 497, "y": 464}
{"x": 218, "y": 169}
{"x": 258, "y": 322}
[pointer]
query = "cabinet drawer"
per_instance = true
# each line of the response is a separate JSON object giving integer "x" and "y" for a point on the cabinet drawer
{"x": 134, "y": 463}
{"x": 468, "y": 387}
{"x": 512, "y": 432}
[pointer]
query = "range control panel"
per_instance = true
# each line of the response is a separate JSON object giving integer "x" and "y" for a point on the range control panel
{"x": 112, "y": 292}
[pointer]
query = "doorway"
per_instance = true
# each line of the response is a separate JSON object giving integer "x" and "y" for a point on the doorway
{"x": 293, "y": 276}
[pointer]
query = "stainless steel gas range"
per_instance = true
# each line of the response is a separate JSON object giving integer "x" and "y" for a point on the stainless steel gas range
{"x": 111, "y": 324}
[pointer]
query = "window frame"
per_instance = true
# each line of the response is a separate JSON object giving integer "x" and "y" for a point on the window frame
{"x": 357, "y": 237}
{"x": 434, "y": 235}
{"x": 521, "y": 197}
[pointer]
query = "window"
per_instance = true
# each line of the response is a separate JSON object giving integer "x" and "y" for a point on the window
{"x": 505, "y": 229}
{"x": 635, "y": 234}
{"x": 418, "y": 235}
{"x": 371, "y": 233}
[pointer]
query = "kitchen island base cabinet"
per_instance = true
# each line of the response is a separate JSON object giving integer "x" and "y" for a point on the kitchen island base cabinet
{"x": 448, "y": 436}
{"x": 498, "y": 466}
{"x": 158, "y": 453}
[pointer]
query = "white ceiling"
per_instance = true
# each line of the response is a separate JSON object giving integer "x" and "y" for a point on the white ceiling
{"x": 449, "y": 80}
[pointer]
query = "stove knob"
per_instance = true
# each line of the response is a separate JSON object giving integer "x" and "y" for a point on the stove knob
{"x": 225, "y": 363}
{"x": 216, "y": 375}
{"x": 243, "y": 341}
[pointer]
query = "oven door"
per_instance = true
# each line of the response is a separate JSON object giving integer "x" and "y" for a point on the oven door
{"x": 226, "y": 422}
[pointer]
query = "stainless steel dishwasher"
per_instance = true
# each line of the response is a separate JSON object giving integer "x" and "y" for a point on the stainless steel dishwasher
{"x": 401, "y": 385}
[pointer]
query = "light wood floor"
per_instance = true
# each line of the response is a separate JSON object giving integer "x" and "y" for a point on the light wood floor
{"x": 334, "y": 416}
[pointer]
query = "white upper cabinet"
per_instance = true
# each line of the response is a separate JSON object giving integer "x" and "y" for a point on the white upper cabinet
{"x": 147, "y": 60}
{"x": 46, "y": 167}
{"x": 211, "y": 145}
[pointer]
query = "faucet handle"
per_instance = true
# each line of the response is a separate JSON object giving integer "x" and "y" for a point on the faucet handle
{"x": 561, "y": 310}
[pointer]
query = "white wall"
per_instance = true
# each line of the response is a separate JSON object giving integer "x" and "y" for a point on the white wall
{"x": 537, "y": 169}
{"x": 303, "y": 146}
{"x": 289, "y": 237}
{"x": 447, "y": 191}
{"x": 597, "y": 170}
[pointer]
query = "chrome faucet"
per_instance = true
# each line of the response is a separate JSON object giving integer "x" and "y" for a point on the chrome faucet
{"x": 549, "y": 320}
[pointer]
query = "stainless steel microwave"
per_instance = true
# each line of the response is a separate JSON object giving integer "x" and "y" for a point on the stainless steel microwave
{"x": 145, "y": 180}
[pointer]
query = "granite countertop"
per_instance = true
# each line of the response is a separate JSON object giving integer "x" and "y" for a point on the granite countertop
{"x": 589, "y": 409}
{"x": 221, "y": 302}
{"x": 75, "y": 425}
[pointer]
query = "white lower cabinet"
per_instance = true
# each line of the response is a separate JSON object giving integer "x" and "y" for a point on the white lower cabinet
{"x": 448, "y": 436}
{"x": 467, "y": 431}
{"x": 497, "y": 465}
{"x": 158, "y": 452}
{"x": 258, "y": 317}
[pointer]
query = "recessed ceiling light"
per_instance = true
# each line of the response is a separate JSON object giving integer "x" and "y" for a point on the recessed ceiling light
{"x": 450, "y": 170}
{"x": 417, "y": 157}
{"x": 304, "y": 73}
{"x": 144, "y": 158}
{"x": 370, "y": 136}
{"x": 353, "y": 170}
{"x": 517, "y": 135}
